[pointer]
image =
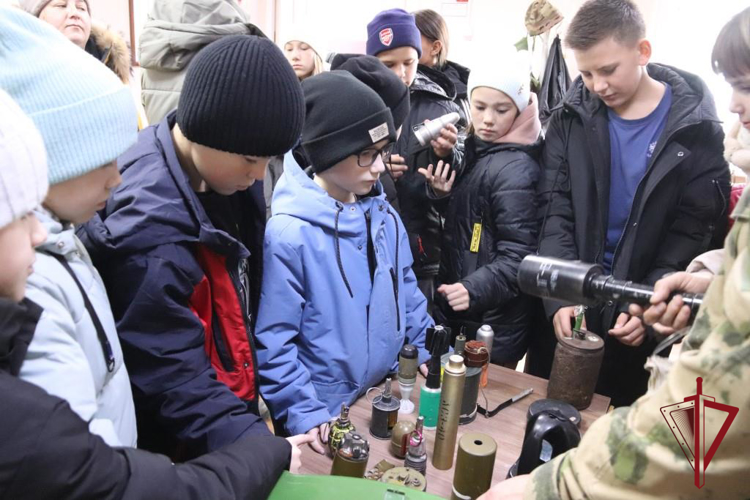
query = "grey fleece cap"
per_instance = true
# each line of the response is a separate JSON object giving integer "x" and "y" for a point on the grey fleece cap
{"x": 34, "y": 7}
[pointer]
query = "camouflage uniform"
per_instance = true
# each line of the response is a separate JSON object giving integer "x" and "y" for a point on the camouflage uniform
{"x": 631, "y": 453}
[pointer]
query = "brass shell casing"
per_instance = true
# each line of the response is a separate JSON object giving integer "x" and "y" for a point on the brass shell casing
{"x": 452, "y": 393}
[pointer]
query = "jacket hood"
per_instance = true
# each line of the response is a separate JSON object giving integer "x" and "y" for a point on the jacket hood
{"x": 60, "y": 236}
{"x": 434, "y": 82}
{"x": 692, "y": 102}
{"x": 177, "y": 30}
{"x": 111, "y": 49}
{"x": 459, "y": 75}
{"x": 17, "y": 324}
{"x": 299, "y": 196}
{"x": 155, "y": 204}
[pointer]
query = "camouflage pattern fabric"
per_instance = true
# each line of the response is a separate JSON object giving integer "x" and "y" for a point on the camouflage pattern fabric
{"x": 631, "y": 453}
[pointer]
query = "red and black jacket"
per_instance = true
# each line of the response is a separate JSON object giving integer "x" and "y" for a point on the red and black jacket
{"x": 184, "y": 315}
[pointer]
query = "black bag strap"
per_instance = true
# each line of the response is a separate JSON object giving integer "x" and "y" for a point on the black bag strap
{"x": 109, "y": 356}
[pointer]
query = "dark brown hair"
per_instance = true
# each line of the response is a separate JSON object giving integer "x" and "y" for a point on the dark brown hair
{"x": 598, "y": 20}
{"x": 731, "y": 54}
{"x": 432, "y": 26}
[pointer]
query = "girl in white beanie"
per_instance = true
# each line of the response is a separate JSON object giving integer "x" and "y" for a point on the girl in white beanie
{"x": 299, "y": 48}
{"x": 491, "y": 222}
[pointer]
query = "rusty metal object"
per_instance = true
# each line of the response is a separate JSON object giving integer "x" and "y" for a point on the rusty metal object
{"x": 575, "y": 369}
{"x": 404, "y": 476}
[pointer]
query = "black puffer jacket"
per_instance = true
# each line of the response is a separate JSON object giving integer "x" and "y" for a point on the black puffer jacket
{"x": 432, "y": 95}
{"x": 497, "y": 191}
{"x": 678, "y": 211}
{"x": 47, "y": 451}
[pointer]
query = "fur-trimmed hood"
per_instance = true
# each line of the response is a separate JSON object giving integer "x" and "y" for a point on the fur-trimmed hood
{"x": 111, "y": 49}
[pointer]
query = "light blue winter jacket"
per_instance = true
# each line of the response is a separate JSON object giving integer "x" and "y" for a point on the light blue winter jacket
{"x": 65, "y": 356}
{"x": 326, "y": 332}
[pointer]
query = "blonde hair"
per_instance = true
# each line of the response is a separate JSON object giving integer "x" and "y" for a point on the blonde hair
{"x": 731, "y": 53}
{"x": 433, "y": 27}
{"x": 318, "y": 66}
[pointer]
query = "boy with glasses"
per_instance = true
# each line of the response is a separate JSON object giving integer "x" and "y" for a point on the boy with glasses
{"x": 339, "y": 297}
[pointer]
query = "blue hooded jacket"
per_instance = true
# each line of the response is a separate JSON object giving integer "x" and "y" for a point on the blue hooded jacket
{"x": 326, "y": 331}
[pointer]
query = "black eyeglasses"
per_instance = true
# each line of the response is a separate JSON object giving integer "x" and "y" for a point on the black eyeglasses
{"x": 367, "y": 157}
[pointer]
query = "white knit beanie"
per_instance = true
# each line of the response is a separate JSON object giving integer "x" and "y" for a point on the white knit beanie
{"x": 23, "y": 163}
{"x": 510, "y": 74}
{"x": 301, "y": 33}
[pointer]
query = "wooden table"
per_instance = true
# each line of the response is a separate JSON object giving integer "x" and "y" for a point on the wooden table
{"x": 507, "y": 428}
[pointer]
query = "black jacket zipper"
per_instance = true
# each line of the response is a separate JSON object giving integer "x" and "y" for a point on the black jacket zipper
{"x": 394, "y": 278}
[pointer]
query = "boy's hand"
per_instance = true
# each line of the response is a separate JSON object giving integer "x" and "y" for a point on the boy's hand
{"x": 423, "y": 369}
{"x": 396, "y": 165}
{"x": 629, "y": 330}
{"x": 440, "y": 182}
{"x": 296, "y": 442}
{"x": 561, "y": 322}
{"x": 457, "y": 296}
{"x": 666, "y": 318}
{"x": 319, "y": 437}
{"x": 446, "y": 141}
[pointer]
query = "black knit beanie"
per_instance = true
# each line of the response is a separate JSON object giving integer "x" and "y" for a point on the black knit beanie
{"x": 344, "y": 116}
{"x": 376, "y": 75}
{"x": 241, "y": 96}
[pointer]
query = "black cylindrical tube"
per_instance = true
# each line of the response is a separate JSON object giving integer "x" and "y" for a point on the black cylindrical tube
{"x": 471, "y": 393}
{"x": 607, "y": 287}
{"x": 384, "y": 413}
{"x": 581, "y": 283}
{"x": 556, "y": 278}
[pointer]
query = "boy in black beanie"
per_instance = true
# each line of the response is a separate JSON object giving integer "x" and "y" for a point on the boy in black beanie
{"x": 339, "y": 296}
{"x": 179, "y": 247}
{"x": 373, "y": 73}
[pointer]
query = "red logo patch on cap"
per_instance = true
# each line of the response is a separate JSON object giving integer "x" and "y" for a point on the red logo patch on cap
{"x": 386, "y": 36}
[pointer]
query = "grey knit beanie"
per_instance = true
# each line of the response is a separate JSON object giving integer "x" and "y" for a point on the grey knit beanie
{"x": 35, "y": 7}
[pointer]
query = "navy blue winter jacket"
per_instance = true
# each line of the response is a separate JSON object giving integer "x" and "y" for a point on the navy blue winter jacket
{"x": 182, "y": 312}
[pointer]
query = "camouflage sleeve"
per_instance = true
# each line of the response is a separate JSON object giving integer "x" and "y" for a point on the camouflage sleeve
{"x": 632, "y": 452}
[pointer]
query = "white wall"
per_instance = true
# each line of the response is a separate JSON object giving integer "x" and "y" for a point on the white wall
{"x": 114, "y": 13}
{"x": 682, "y": 32}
